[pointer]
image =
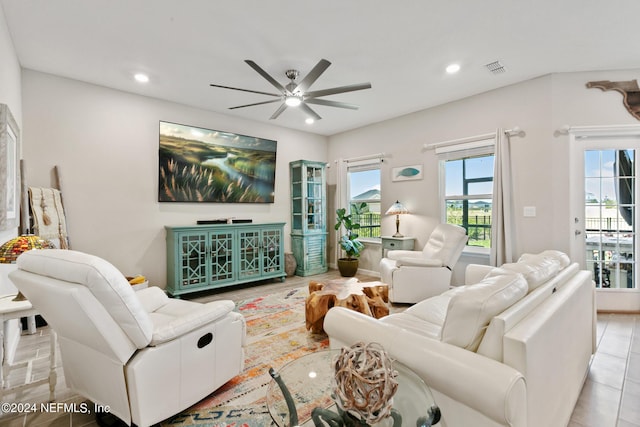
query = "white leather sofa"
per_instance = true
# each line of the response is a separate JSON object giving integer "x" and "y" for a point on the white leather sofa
{"x": 140, "y": 354}
{"x": 416, "y": 275}
{"x": 512, "y": 347}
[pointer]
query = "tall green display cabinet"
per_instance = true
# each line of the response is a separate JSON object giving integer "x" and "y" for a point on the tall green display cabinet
{"x": 309, "y": 216}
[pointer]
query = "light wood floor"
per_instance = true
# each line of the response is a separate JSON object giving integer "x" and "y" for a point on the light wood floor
{"x": 610, "y": 396}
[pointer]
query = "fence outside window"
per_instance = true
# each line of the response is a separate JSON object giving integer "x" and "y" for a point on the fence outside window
{"x": 478, "y": 228}
{"x": 369, "y": 224}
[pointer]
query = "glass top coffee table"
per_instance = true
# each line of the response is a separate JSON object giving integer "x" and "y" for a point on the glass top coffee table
{"x": 308, "y": 380}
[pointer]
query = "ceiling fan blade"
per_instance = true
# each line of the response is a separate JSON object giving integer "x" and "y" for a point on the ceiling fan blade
{"x": 313, "y": 75}
{"x": 278, "y": 111}
{"x": 335, "y": 90}
{"x": 247, "y": 90}
{"x": 264, "y": 74}
{"x": 331, "y": 103}
{"x": 304, "y": 107}
{"x": 257, "y": 103}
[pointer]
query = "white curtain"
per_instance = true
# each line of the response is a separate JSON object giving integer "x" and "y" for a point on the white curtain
{"x": 341, "y": 200}
{"x": 502, "y": 235}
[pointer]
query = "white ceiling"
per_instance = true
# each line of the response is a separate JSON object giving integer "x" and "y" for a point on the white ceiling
{"x": 400, "y": 47}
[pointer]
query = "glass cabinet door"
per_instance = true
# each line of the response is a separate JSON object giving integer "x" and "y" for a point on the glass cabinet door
{"x": 315, "y": 198}
{"x": 271, "y": 256}
{"x": 221, "y": 257}
{"x": 249, "y": 246}
{"x": 297, "y": 218}
{"x": 192, "y": 256}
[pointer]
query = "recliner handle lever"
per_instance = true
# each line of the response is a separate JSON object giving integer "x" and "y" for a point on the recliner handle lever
{"x": 205, "y": 340}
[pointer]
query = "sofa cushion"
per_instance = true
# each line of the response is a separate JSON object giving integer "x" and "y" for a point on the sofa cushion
{"x": 471, "y": 307}
{"x": 561, "y": 257}
{"x": 536, "y": 269}
{"x": 425, "y": 318}
{"x": 178, "y": 317}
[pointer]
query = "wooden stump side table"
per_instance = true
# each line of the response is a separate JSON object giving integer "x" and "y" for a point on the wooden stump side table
{"x": 370, "y": 298}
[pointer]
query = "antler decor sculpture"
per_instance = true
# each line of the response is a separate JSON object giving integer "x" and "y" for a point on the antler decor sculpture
{"x": 365, "y": 382}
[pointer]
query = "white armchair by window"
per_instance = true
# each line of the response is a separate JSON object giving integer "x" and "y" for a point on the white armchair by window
{"x": 141, "y": 354}
{"x": 413, "y": 276}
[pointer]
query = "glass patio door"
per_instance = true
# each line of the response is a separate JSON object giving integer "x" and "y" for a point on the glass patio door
{"x": 604, "y": 215}
{"x": 609, "y": 216}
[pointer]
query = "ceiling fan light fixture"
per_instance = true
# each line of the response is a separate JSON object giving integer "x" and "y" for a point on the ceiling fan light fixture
{"x": 297, "y": 95}
{"x": 292, "y": 100}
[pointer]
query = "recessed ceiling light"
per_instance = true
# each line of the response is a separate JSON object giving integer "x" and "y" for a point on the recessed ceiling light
{"x": 453, "y": 68}
{"x": 309, "y": 121}
{"x": 141, "y": 78}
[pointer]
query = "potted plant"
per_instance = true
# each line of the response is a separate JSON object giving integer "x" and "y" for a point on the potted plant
{"x": 349, "y": 241}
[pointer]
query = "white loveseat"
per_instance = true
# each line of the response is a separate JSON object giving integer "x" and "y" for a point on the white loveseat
{"x": 509, "y": 348}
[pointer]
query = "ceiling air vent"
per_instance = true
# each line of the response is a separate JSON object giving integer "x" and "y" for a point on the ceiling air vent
{"x": 496, "y": 67}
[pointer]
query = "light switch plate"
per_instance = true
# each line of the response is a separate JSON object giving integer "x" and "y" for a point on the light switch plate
{"x": 529, "y": 211}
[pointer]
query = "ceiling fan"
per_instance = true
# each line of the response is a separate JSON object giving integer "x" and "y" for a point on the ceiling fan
{"x": 296, "y": 94}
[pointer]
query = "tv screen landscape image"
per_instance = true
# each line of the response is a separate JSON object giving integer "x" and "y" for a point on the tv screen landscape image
{"x": 205, "y": 165}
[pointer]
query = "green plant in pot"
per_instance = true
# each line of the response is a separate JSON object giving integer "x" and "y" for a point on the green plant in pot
{"x": 349, "y": 241}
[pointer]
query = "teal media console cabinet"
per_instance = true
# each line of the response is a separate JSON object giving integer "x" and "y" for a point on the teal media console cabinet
{"x": 202, "y": 257}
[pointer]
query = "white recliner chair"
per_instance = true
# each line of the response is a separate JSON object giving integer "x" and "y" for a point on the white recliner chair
{"x": 141, "y": 354}
{"x": 413, "y": 276}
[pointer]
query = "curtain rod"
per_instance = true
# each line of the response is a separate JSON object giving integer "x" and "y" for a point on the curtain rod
{"x": 516, "y": 131}
{"x": 598, "y": 130}
{"x": 368, "y": 157}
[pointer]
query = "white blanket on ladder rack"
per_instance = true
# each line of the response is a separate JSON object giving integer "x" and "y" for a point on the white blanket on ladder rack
{"x": 48, "y": 215}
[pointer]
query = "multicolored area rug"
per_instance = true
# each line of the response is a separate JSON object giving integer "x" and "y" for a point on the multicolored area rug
{"x": 276, "y": 334}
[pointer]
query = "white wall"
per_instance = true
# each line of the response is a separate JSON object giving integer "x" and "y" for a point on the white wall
{"x": 540, "y": 159}
{"x": 10, "y": 94}
{"x": 526, "y": 105}
{"x": 10, "y": 89}
{"x": 105, "y": 144}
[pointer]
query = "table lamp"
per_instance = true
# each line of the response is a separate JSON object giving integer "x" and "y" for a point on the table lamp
{"x": 397, "y": 209}
{"x": 10, "y": 251}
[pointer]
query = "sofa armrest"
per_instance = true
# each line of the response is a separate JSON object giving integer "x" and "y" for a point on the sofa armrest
{"x": 482, "y": 384}
{"x": 418, "y": 262}
{"x": 152, "y": 298}
{"x": 179, "y": 317}
{"x": 475, "y": 273}
{"x": 400, "y": 253}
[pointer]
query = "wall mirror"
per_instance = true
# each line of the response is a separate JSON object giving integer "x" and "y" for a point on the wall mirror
{"x": 9, "y": 169}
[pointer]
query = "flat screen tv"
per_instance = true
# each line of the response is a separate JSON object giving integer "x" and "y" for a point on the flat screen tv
{"x": 211, "y": 166}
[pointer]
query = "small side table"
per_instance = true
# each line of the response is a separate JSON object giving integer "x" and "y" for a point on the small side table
{"x": 393, "y": 243}
{"x": 10, "y": 309}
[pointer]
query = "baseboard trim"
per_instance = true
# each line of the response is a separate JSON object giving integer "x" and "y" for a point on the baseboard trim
{"x": 360, "y": 270}
{"x": 369, "y": 272}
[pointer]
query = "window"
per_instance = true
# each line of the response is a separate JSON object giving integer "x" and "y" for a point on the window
{"x": 467, "y": 187}
{"x": 364, "y": 187}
